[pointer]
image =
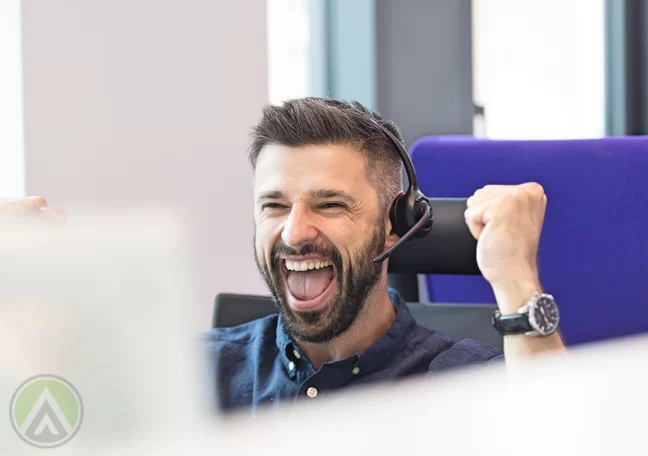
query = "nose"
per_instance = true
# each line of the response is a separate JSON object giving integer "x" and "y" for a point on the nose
{"x": 298, "y": 229}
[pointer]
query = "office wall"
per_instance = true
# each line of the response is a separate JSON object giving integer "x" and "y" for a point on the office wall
{"x": 11, "y": 108}
{"x": 424, "y": 66}
{"x": 133, "y": 102}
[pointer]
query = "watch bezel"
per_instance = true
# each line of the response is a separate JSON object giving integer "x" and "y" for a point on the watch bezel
{"x": 532, "y": 305}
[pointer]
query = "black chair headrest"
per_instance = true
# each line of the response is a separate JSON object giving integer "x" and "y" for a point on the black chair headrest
{"x": 449, "y": 248}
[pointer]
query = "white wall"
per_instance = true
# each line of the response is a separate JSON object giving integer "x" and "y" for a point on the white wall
{"x": 12, "y": 182}
{"x": 539, "y": 68}
{"x": 289, "y": 42}
{"x": 150, "y": 101}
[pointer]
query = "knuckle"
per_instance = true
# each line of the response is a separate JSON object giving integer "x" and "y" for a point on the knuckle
{"x": 40, "y": 200}
{"x": 534, "y": 188}
{"x": 34, "y": 201}
{"x": 507, "y": 203}
{"x": 519, "y": 193}
{"x": 510, "y": 198}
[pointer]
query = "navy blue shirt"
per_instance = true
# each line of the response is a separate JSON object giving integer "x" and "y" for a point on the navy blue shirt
{"x": 257, "y": 363}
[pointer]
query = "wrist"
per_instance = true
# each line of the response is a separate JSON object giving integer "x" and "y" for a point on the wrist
{"x": 513, "y": 294}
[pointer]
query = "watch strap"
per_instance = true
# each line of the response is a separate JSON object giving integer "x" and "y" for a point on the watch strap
{"x": 512, "y": 324}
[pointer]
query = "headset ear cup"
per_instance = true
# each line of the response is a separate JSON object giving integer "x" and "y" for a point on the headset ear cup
{"x": 397, "y": 214}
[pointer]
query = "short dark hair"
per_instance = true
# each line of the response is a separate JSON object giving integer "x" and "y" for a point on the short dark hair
{"x": 319, "y": 121}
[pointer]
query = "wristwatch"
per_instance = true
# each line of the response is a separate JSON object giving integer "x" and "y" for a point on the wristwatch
{"x": 538, "y": 317}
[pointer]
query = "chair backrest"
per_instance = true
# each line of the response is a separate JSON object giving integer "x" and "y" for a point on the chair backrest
{"x": 594, "y": 249}
{"x": 448, "y": 248}
{"x": 463, "y": 321}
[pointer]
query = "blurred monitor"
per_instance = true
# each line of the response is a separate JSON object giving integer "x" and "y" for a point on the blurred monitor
{"x": 103, "y": 303}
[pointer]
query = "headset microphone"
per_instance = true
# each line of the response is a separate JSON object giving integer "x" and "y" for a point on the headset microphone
{"x": 410, "y": 213}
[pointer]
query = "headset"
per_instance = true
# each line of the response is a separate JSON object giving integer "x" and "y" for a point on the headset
{"x": 411, "y": 213}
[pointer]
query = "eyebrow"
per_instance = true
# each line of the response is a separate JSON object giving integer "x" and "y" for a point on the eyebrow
{"x": 315, "y": 194}
{"x": 330, "y": 193}
{"x": 270, "y": 195}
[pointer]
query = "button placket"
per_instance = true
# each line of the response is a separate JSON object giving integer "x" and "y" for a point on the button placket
{"x": 293, "y": 361}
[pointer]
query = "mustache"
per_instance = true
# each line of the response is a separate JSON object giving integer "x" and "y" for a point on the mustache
{"x": 330, "y": 253}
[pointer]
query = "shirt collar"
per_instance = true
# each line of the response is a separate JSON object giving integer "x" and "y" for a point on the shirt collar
{"x": 375, "y": 357}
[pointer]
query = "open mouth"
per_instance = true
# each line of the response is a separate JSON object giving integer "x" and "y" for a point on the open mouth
{"x": 309, "y": 282}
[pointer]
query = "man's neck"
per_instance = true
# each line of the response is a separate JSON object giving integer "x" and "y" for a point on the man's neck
{"x": 373, "y": 321}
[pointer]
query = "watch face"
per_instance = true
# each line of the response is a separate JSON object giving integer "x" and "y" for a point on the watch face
{"x": 544, "y": 315}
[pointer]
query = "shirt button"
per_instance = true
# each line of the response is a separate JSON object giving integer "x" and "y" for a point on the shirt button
{"x": 312, "y": 392}
{"x": 356, "y": 370}
{"x": 296, "y": 353}
{"x": 291, "y": 366}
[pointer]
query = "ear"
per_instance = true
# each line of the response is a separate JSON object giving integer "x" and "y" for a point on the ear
{"x": 390, "y": 237}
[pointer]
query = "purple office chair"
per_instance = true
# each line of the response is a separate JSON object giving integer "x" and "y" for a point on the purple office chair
{"x": 594, "y": 249}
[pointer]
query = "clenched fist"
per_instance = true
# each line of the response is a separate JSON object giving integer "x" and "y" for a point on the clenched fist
{"x": 507, "y": 222}
{"x": 28, "y": 209}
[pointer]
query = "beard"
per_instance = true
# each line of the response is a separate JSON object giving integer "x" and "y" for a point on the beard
{"x": 355, "y": 281}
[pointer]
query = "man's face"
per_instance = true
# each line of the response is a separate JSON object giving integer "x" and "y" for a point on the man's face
{"x": 319, "y": 226}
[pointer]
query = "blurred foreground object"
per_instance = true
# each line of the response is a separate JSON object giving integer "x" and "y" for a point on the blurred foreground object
{"x": 593, "y": 403}
{"x": 103, "y": 302}
{"x": 32, "y": 209}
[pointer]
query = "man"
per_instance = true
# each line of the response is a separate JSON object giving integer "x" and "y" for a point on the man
{"x": 324, "y": 179}
{"x": 325, "y": 176}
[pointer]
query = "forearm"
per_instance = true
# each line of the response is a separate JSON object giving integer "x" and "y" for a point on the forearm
{"x": 518, "y": 348}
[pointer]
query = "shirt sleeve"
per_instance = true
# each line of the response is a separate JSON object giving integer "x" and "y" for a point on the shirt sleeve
{"x": 466, "y": 353}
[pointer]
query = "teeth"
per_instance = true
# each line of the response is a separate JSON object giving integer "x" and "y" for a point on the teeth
{"x": 306, "y": 265}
